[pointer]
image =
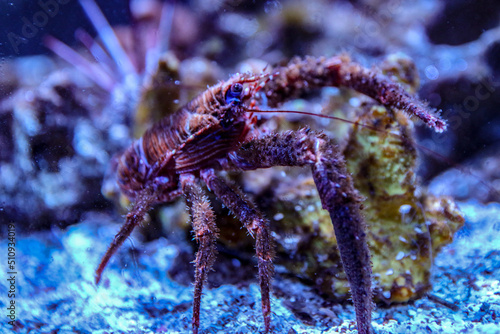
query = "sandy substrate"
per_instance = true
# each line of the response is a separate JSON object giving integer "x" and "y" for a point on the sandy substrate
{"x": 56, "y": 293}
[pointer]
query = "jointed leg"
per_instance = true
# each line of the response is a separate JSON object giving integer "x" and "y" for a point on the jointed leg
{"x": 304, "y": 147}
{"x": 205, "y": 231}
{"x": 258, "y": 228}
{"x": 134, "y": 218}
{"x": 301, "y": 75}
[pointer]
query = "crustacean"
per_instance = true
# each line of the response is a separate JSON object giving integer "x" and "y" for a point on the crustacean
{"x": 217, "y": 131}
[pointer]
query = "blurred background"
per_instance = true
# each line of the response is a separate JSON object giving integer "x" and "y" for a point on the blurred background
{"x": 454, "y": 44}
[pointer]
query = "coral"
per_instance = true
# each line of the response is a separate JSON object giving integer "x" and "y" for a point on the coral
{"x": 406, "y": 229}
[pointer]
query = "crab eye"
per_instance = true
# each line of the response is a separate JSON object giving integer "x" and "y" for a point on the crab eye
{"x": 234, "y": 93}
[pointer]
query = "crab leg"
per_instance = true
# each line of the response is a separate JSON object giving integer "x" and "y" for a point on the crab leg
{"x": 205, "y": 233}
{"x": 300, "y": 75}
{"x": 335, "y": 188}
{"x": 134, "y": 217}
{"x": 257, "y": 226}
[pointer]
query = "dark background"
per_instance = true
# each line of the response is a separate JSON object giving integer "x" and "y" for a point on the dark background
{"x": 62, "y": 26}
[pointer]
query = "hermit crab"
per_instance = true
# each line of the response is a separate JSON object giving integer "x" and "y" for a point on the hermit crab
{"x": 217, "y": 131}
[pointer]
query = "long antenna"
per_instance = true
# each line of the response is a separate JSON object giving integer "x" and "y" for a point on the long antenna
{"x": 315, "y": 115}
{"x": 424, "y": 149}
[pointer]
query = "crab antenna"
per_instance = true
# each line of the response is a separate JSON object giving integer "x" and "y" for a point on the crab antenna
{"x": 424, "y": 149}
{"x": 94, "y": 73}
{"x": 314, "y": 115}
{"x": 108, "y": 37}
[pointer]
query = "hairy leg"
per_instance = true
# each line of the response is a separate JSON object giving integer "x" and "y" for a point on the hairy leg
{"x": 338, "y": 196}
{"x": 258, "y": 227}
{"x": 301, "y": 75}
{"x": 136, "y": 215}
{"x": 205, "y": 233}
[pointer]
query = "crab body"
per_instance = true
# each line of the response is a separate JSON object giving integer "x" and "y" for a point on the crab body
{"x": 194, "y": 138}
{"x": 215, "y": 131}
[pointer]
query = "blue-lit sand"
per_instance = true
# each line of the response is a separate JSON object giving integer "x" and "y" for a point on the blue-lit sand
{"x": 57, "y": 293}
